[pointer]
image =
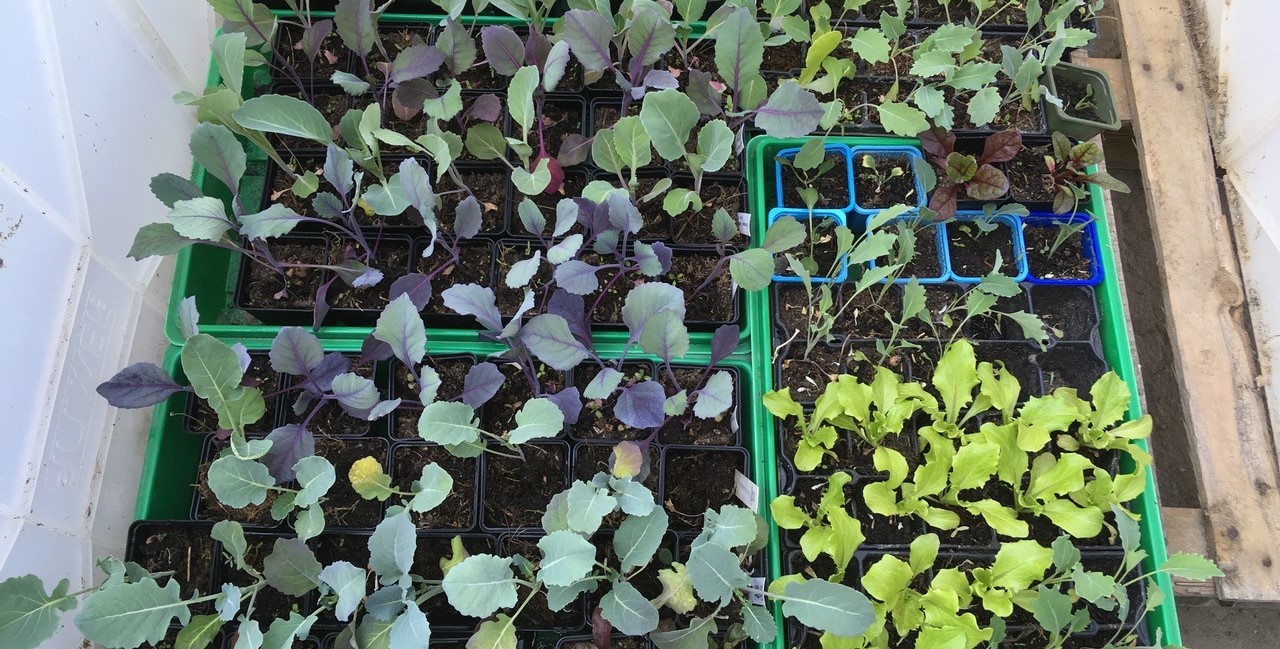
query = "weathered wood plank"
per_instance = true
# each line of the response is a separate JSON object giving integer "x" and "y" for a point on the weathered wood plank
{"x": 1184, "y": 531}
{"x": 1231, "y": 439}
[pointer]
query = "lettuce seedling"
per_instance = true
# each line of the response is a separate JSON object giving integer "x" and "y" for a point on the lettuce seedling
{"x": 829, "y": 530}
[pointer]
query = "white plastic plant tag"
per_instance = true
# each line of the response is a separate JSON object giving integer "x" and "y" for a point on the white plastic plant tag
{"x": 758, "y": 584}
{"x": 747, "y": 491}
{"x": 744, "y": 223}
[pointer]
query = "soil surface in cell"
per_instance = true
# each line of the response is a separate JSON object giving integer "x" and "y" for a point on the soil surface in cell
{"x": 1077, "y": 99}
{"x": 187, "y": 552}
{"x": 516, "y": 491}
{"x": 696, "y": 481}
{"x": 1055, "y": 252}
{"x": 1029, "y": 179}
{"x": 973, "y": 248}
{"x": 458, "y": 509}
{"x": 296, "y": 289}
{"x": 832, "y": 187}
{"x": 878, "y": 187}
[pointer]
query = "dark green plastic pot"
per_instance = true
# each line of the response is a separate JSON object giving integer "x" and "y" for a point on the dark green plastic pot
{"x": 1078, "y": 127}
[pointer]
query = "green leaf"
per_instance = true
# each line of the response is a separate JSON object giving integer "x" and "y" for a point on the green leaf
{"x": 391, "y": 547}
{"x": 228, "y": 55}
{"x": 716, "y": 397}
{"x": 315, "y": 475}
{"x": 752, "y": 269}
{"x": 200, "y": 633}
{"x": 900, "y": 119}
{"x": 696, "y": 636}
{"x": 480, "y": 585}
{"x": 973, "y": 76}
{"x": 783, "y": 235}
{"x": 758, "y": 623}
{"x": 431, "y": 489}
{"x": 284, "y": 115}
{"x": 410, "y": 629}
{"x": 588, "y": 34}
{"x": 639, "y": 537}
{"x": 368, "y": 479}
{"x": 239, "y": 483}
{"x": 348, "y": 583}
{"x": 634, "y": 498}
{"x": 291, "y": 568}
{"x": 984, "y": 105}
{"x": 819, "y": 49}
{"x": 631, "y": 143}
{"x": 538, "y": 419}
{"x": 520, "y": 96}
{"x": 731, "y": 527}
{"x": 834, "y": 608}
{"x": 955, "y": 377}
{"x": 351, "y": 84}
{"x": 216, "y": 148}
{"x": 498, "y": 633}
{"x": 309, "y": 522}
{"x": 203, "y": 218}
{"x": 566, "y": 558}
{"x": 1185, "y": 565}
{"x": 973, "y": 465}
{"x": 449, "y": 423}
{"x": 284, "y": 631}
{"x": 127, "y": 614}
{"x": 29, "y": 617}
{"x": 739, "y": 49}
{"x": 486, "y": 142}
{"x": 157, "y": 240}
{"x": 668, "y": 117}
{"x": 665, "y": 336}
{"x": 933, "y": 62}
{"x": 871, "y": 45}
{"x": 532, "y": 183}
{"x": 628, "y": 611}
{"x": 1020, "y": 564}
{"x": 588, "y": 505}
{"x": 231, "y": 535}
{"x": 715, "y": 573}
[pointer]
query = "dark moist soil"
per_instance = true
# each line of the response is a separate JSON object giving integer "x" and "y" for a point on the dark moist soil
{"x": 538, "y": 614}
{"x": 203, "y": 419}
{"x": 1071, "y": 366}
{"x": 426, "y": 564}
{"x": 929, "y": 11}
{"x": 392, "y": 258}
{"x": 474, "y": 266}
{"x": 695, "y": 227}
{"x": 457, "y": 512}
{"x": 865, "y": 369}
{"x": 343, "y": 506}
{"x": 1000, "y": 327}
{"x": 212, "y": 509}
{"x": 597, "y": 421}
{"x": 1066, "y": 309}
{"x": 783, "y": 58}
{"x": 883, "y": 530}
{"x": 453, "y": 375}
{"x": 938, "y": 300}
{"x": 900, "y": 190}
{"x": 590, "y": 459}
{"x": 973, "y": 251}
{"x": 509, "y": 299}
{"x": 715, "y": 304}
{"x": 559, "y": 120}
{"x": 1028, "y": 176}
{"x": 926, "y": 261}
{"x": 490, "y": 189}
{"x": 332, "y": 52}
{"x": 695, "y": 481}
{"x": 832, "y": 186}
{"x": 270, "y": 604}
{"x": 1012, "y": 14}
{"x": 282, "y": 186}
{"x": 689, "y": 430}
{"x": 500, "y": 412}
{"x": 574, "y": 183}
{"x": 1069, "y": 261}
{"x": 300, "y": 284}
{"x": 867, "y": 314}
{"x": 1071, "y": 92}
{"x": 1018, "y": 360}
{"x": 331, "y": 420}
{"x": 188, "y": 552}
{"x": 808, "y": 376}
{"x": 516, "y": 492}
{"x": 482, "y": 77}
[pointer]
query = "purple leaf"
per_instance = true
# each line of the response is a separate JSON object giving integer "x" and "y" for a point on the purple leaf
{"x": 623, "y": 214}
{"x": 577, "y": 277}
{"x": 322, "y": 304}
{"x": 138, "y": 386}
{"x": 313, "y": 37}
{"x": 589, "y": 33}
{"x": 723, "y": 342}
{"x": 474, "y": 300}
{"x": 242, "y": 355}
{"x": 660, "y": 80}
{"x": 482, "y": 382}
{"x": 486, "y": 108}
{"x": 664, "y": 256}
{"x": 640, "y": 406}
{"x": 536, "y": 48}
{"x": 408, "y": 97}
{"x": 502, "y": 49}
{"x": 416, "y": 62}
{"x": 295, "y": 351}
{"x": 573, "y": 309}
{"x": 372, "y": 350}
{"x": 569, "y": 401}
{"x": 416, "y": 285}
{"x": 329, "y": 368}
{"x": 468, "y": 218}
{"x": 791, "y": 111}
{"x": 704, "y": 95}
{"x": 574, "y": 149}
{"x": 289, "y": 444}
{"x": 458, "y": 46}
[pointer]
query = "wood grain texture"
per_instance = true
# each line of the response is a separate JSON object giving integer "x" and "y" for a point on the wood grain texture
{"x": 1225, "y": 412}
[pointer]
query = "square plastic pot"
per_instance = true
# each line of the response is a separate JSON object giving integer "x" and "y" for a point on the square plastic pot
{"x": 940, "y": 238}
{"x": 809, "y": 215}
{"x": 1088, "y": 245}
{"x": 1079, "y": 127}
{"x": 912, "y": 153}
{"x": 1019, "y": 260}
{"x": 840, "y": 149}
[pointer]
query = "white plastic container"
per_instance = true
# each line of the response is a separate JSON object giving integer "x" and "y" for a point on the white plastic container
{"x": 88, "y": 119}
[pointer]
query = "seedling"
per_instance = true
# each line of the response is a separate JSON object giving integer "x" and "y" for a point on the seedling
{"x": 976, "y": 177}
{"x": 1068, "y": 173}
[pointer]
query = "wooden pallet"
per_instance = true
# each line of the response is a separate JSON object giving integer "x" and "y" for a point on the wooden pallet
{"x": 1158, "y": 93}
